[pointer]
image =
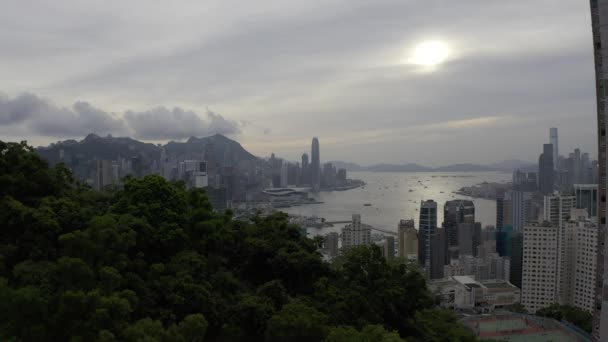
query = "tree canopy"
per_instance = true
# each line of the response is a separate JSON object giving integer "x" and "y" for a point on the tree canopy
{"x": 581, "y": 318}
{"x": 153, "y": 262}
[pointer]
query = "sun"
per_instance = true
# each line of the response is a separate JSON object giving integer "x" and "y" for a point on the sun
{"x": 430, "y": 53}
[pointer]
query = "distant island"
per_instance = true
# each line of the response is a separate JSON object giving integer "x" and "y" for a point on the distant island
{"x": 504, "y": 166}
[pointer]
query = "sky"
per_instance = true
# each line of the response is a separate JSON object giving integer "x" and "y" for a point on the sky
{"x": 273, "y": 74}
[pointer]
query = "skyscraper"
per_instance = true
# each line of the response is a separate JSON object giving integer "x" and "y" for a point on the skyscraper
{"x": 454, "y": 213}
{"x": 428, "y": 225}
{"x": 305, "y": 175}
{"x": 545, "y": 169}
{"x": 438, "y": 244}
{"x": 599, "y": 20}
{"x": 315, "y": 165}
{"x": 553, "y": 141}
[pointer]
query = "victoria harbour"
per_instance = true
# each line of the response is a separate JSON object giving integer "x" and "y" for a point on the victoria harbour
{"x": 391, "y": 199}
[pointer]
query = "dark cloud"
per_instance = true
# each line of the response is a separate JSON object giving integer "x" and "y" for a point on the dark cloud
{"x": 80, "y": 119}
{"x": 35, "y": 115}
{"x": 19, "y": 109}
{"x": 161, "y": 123}
{"x": 40, "y": 116}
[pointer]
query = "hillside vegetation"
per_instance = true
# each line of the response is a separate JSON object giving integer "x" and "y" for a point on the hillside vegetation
{"x": 153, "y": 262}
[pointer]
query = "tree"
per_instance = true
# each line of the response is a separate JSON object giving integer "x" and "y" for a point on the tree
{"x": 581, "y": 318}
{"x": 297, "y": 322}
{"x": 437, "y": 325}
{"x": 369, "y": 333}
{"x": 153, "y": 262}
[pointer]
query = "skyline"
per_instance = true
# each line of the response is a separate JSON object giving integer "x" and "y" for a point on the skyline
{"x": 275, "y": 74}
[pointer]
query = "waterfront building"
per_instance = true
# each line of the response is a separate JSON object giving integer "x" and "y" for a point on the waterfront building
{"x": 315, "y": 165}
{"x": 426, "y": 228}
{"x": 408, "y": 240}
{"x": 356, "y": 233}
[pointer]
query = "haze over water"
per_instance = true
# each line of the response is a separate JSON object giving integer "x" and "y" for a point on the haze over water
{"x": 388, "y": 193}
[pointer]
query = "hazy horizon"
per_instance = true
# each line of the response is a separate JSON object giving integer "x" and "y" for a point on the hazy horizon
{"x": 432, "y": 83}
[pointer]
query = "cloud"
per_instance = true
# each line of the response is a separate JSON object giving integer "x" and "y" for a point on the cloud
{"x": 20, "y": 108}
{"x": 40, "y": 116}
{"x": 161, "y": 123}
{"x": 34, "y": 115}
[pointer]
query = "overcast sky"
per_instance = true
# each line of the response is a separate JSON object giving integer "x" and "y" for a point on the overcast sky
{"x": 273, "y": 74}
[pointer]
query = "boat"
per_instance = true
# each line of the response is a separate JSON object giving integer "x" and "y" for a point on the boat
{"x": 440, "y": 192}
{"x": 411, "y": 190}
{"x": 426, "y": 187}
{"x": 367, "y": 205}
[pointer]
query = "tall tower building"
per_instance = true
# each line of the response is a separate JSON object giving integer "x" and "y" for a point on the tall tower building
{"x": 315, "y": 165}
{"x": 553, "y": 141}
{"x": 545, "y": 169}
{"x": 599, "y": 23}
{"x": 426, "y": 228}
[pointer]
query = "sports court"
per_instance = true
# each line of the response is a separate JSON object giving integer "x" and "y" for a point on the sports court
{"x": 513, "y": 327}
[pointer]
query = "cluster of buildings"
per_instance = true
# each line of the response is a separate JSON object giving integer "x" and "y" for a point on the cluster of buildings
{"x": 309, "y": 173}
{"x": 229, "y": 181}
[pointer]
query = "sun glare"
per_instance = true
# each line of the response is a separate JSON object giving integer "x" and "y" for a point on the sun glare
{"x": 430, "y": 53}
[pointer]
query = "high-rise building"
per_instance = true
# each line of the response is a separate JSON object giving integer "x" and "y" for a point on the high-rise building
{"x": 426, "y": 228}
{"x": 356, "y": 233}
{"x": 545, "y": 169}
{"x": 438, "y": 249}
{"x": 585, "y": 274}
{"x": 516, "y": 250}
{"x": 408, "y": 240}
{"x": 525, "y": 181}
{"x": 388, "y": 248}
{"x": 599, "y": 21}
{"x": 559, "y": 263}
{"x": 520, "y": 207}
{"x": 103, "y": 176}
{"x": 577, "y": 261}
{"x": 284, "y": 175}
{"x": 456, "y": 212}
{"x": 586, "y": 198}
{"x": 553, "y": 141}
{"x": 539, "y": 267}
{"x": 315, "y": 165}
{"x": 466, "y": 233}
{"x": 500, "y": 209}
{"x": 557, "y": 208}
{"x": 331, "y": 244}
{"x": 305, "y": 175}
